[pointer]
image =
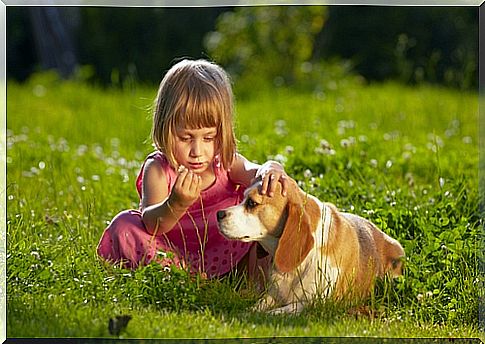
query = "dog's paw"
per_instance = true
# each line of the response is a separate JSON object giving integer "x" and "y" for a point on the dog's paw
{"x": 264, "y": 304}
{"x": 259, "y": 307}
{"x": 292, "y": 308}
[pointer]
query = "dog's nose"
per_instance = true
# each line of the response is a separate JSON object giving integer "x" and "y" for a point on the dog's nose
{"x": 221, "y": 214}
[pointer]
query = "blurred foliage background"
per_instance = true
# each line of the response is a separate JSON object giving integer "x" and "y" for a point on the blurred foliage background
{"x": 283, "y": 45}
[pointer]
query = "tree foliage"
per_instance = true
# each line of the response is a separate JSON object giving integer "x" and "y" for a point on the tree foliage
{"x": 274, "y": 42}
{"x": 411, "y": 44}
{"x": 141, "y": 43}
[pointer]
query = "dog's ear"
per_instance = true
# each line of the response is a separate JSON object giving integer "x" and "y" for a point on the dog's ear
{"x": 394, "y": 257}
{"x": 297, "y": 238}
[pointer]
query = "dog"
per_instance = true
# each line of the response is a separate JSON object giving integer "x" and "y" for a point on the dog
{"x": 316, "y": 249}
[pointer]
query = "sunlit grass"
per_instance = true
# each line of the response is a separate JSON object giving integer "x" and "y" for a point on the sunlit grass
{"x": 406, "y": 158}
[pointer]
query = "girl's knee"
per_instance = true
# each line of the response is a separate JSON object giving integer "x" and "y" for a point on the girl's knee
{"x": 128, "y": 216}
{"x": 126, "y": 221}
{"x": 122, "y": 230}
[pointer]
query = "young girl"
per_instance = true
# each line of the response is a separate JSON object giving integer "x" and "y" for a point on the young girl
{"x": 194, "y": 172}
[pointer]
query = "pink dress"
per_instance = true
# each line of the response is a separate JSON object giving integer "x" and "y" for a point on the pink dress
{"x": 194, "y": 241}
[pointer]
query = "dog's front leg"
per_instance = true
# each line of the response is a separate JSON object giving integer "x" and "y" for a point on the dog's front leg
{"x": 292, "y": 308}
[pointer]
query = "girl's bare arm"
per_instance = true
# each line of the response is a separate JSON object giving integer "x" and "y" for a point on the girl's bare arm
{"x": 161, "y": 211}
{"x": 244, "y": 172}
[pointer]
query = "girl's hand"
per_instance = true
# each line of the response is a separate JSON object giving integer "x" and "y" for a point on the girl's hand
{"x": 186, "y": 189}
{"x": 271, "y": 173}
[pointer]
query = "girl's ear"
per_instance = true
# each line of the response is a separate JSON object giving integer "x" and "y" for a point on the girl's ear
{"x": 297, "y": 238}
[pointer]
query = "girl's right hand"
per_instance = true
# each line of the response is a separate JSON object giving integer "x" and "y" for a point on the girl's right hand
{"x": 186, "y": 189}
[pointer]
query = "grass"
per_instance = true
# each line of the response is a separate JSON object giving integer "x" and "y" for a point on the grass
{"x": 406, "y": 158}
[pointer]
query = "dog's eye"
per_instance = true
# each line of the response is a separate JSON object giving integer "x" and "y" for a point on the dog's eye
{"x": 250, "y": 204}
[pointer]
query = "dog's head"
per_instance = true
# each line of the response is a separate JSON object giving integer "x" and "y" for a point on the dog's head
{"x": 289, "y": 220}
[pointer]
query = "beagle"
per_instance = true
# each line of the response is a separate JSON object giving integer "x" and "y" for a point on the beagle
{"x": 316, "y": 250}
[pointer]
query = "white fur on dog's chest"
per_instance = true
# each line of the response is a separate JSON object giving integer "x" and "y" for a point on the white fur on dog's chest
{"x": 327, "y": 274}
{"x": 323, "y": 227}
{"x": 315, "y": 276}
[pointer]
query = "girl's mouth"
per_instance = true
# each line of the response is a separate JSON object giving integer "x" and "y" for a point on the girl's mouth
{"x": 196, "y": 165}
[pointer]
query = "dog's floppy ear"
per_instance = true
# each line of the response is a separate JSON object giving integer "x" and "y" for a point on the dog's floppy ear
{"x": 394, "y": 257}
{"x": 297, "y": 238}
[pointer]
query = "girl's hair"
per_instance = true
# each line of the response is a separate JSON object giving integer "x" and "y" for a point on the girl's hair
{"x": 193, "y": 95}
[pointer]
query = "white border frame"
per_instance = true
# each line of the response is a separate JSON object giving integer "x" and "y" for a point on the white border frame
{"x": 184, "y": 3}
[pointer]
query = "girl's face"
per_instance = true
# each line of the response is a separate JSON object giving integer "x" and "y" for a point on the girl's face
{"x": 195, "y": 148}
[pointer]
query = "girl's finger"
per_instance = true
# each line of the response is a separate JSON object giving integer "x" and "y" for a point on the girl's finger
{"x": 284, "y": 184}
{"x": 264, "y": 186}
{"x": 273, "y": 180}
{"x": 198, "y": 186}
{"x": 268, "y": 184}
{"x": 181, "y": 176}
{"x": 193, "y": 182}
{"x": 189, "y": 180}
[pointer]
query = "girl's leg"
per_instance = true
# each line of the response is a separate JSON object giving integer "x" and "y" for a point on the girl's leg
{"x": 126, "y": 240}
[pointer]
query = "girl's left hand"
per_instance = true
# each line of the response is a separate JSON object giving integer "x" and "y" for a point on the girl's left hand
{"x": 271, "y": 173}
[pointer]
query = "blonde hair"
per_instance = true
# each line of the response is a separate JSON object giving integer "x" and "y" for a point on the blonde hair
{"x": 195, "y": 94}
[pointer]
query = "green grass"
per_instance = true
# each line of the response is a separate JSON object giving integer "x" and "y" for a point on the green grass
{"x": 406, "y": 158}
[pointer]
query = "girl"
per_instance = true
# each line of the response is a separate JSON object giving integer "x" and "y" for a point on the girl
{"x": 194, "y": 172}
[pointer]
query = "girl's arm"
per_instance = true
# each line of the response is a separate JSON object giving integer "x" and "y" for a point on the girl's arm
{"x": 161, "y": 211}
{"x": 244, "y": 172}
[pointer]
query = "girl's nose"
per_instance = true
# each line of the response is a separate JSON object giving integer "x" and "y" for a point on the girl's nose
{"x": 195, "y": 150}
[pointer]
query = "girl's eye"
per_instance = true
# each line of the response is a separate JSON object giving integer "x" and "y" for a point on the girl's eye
{"x": 251, "y": 204}
{"x": 185, "y": 138}
{"x": 208, "y": 139}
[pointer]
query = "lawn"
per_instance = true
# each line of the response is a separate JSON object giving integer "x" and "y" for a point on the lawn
{"x": 403, "y": 157}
